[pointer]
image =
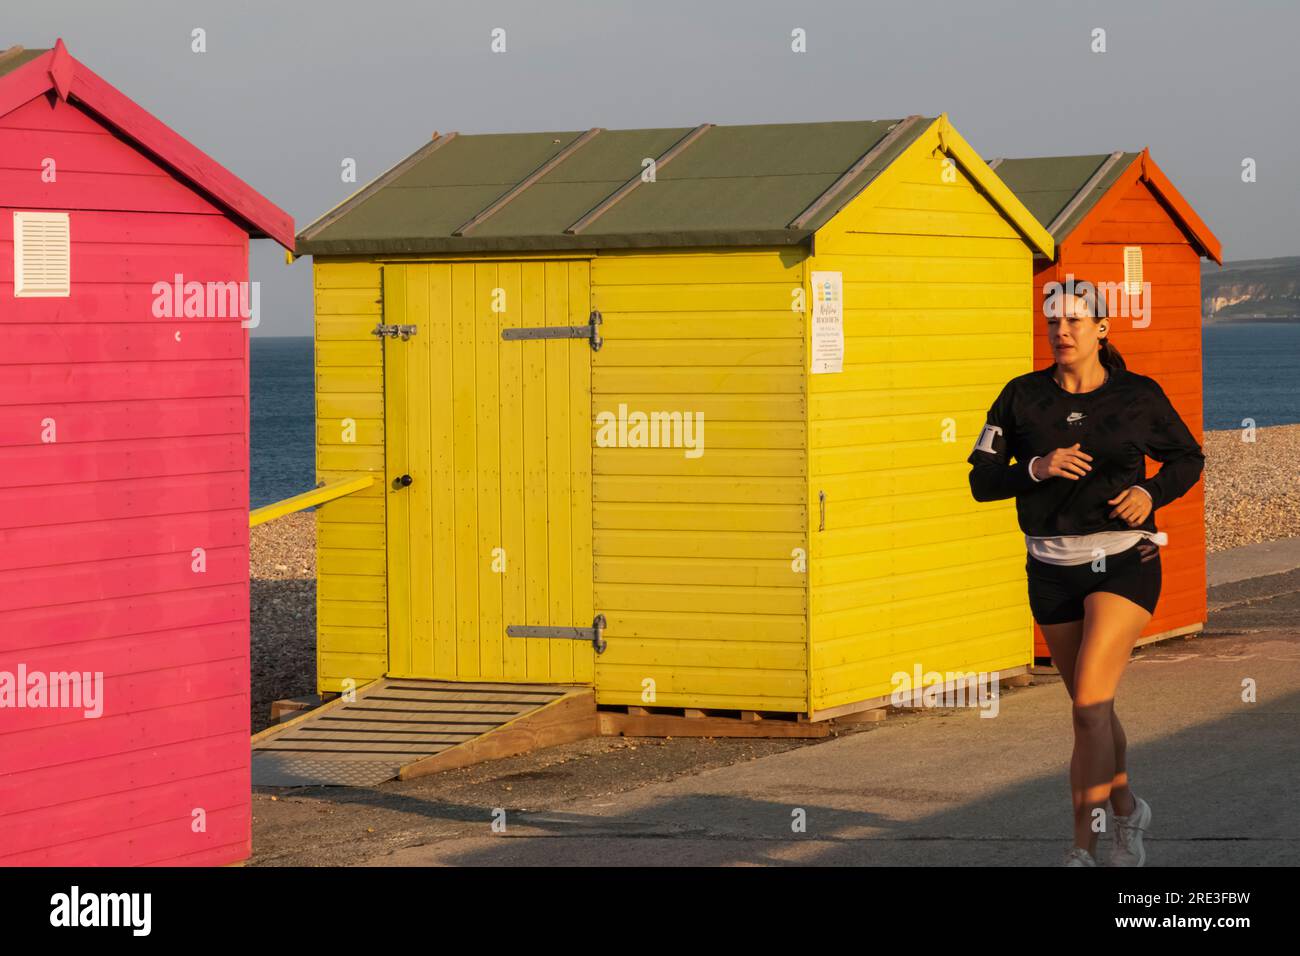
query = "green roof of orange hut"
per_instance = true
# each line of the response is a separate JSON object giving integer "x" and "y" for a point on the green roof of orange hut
{"x": 1049, "y": 185}
{"x": 1062, "y": 191}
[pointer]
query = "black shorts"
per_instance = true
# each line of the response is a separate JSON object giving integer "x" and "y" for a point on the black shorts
{"x": 1056, "y": 591}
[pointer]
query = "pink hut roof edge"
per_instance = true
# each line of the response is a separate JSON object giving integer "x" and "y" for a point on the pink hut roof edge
{"x": 73, "y": 81}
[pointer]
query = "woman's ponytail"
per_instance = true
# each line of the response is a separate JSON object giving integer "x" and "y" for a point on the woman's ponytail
{"x": 1110, "y": 356}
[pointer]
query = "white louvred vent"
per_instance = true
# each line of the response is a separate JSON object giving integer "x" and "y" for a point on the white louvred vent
{"x": 42, "y": 254}
{"x": 1133, "y": 270}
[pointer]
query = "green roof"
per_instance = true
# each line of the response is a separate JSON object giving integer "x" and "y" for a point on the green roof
{"x": 15, "y": 56}
{"x": 1049, "y": 184}
{"x": 723, "y": 186}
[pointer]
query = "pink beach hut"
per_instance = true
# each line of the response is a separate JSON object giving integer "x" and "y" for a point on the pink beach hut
{"x": 124, "y": 429}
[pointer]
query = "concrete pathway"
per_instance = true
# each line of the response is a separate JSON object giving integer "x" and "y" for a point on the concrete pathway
{"x": 1252, "y": 561}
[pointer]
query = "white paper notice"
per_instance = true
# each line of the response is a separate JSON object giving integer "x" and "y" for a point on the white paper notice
{"x": 827, "y": 322}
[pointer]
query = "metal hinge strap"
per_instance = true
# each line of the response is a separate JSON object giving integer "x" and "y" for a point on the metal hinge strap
{"x": 593, "y": 633}
{"x": 590, "y": 331}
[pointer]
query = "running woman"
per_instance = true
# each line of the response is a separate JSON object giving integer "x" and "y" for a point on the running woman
{"x": 1077, "y": 431}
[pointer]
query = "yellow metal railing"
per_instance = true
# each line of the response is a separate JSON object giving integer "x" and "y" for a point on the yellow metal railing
{"x": 308, "y": 499}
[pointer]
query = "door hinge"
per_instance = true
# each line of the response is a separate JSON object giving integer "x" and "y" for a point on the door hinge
{"x": 590, "y": 332}
{"x": 394, "y": 331}
{"x": 593, "y": 633}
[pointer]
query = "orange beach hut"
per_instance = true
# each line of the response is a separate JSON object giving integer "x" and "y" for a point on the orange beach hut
{"x": 1119, "y": 223}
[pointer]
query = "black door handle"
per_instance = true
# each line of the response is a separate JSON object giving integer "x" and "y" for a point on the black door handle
{"x": 403, "y": 482}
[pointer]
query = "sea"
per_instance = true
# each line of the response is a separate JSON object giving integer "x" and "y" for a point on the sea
{"x": 1252, "y": 371}
{"x": 284, "y": 418}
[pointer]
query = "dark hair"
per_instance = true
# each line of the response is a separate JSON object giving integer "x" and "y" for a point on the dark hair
{"x": 1080, "y": 289}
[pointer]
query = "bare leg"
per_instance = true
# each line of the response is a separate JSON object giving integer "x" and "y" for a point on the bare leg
{"x": 1111, "y": 625}
{"x": 1063, "y": 640}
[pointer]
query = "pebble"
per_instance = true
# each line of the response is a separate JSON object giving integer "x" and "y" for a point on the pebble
{"x": 1252, "y": 488}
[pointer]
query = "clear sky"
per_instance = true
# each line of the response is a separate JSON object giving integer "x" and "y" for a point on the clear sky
{"x": 290, "y": 88}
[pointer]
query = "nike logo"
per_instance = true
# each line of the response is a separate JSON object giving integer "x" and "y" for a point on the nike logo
{"x": 1074, "y": 417}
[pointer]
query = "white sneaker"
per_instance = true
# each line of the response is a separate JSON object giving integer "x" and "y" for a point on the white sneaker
{"x": 1078, "y": 856}
{"x": 1127, "y": 849}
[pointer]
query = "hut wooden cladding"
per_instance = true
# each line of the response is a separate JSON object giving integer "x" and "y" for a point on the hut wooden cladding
{"x": 123, "y": 482}
{"x": 823, "y": 538}
{"x": 1119, "y": 223}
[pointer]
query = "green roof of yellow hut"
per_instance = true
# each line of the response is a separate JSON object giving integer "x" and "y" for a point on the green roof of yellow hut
{"x": 713, "y": 186}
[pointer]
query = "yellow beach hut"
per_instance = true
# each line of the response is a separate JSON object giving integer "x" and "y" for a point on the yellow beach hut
{"x": 679, "y": 414}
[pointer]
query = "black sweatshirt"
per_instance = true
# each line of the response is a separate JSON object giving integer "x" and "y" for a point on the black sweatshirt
{"x": 1127, "y": 417}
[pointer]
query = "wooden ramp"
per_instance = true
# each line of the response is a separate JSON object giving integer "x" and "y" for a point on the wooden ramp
{"x": 409, "y": 728}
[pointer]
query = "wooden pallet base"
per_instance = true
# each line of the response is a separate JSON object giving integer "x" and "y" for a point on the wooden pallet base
{"x": 1187, "y": 633}
{"x": 1011, "y": 677}
{"x": 628, "y": 721}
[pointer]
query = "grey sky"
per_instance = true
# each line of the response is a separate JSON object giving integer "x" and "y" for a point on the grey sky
{"x": 288, "y": 88}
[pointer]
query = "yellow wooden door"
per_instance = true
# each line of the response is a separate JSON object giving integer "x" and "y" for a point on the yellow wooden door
{"x": 493, "y": 529}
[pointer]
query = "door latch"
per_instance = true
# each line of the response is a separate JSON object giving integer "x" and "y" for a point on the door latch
{"x": 394, "y": 331}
